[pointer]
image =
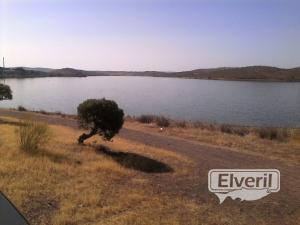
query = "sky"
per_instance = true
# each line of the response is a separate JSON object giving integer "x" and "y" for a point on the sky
{"x": 138, "y": 35}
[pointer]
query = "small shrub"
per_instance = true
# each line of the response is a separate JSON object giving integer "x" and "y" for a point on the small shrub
{"x": 241, "y": 131}
{"x": 205, "y": 126}
{"x": 146, "y": 118}
{"x": 21, "y": 108}
{"x": 181, "y": 124}
{"x": 43, "y": 112}
{"x": 197, "y": 124}
{"x": 33, "y": 135}
{"x": 226, "y": 129}
{"x": 270, "y": 133}
{"x": 283, "y": 134}
{"x": 162, "y": 121}
{"x": 58, "y": 113}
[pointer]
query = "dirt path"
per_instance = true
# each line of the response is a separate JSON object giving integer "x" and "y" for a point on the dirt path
{"x": 283, "y": 204}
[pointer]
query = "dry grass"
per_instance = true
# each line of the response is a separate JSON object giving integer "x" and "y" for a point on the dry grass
{"x": 279, "y": 134}
{"x": 71, "y": 184}
{"x": 284, "y": 147}
{"x": 32, "y": 136}
{"x": 270, "y": 133}
{"x": 68, "y": 184}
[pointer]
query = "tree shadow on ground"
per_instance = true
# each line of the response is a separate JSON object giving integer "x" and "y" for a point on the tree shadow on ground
{"x": 135, "y": 161}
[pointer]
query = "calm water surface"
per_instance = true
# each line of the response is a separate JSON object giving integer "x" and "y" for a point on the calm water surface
{"x": 236, "y": 102}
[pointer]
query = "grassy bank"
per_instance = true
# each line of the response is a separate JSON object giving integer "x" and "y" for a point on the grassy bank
{"x": 276, "y": 143}
{"x": 271, "y": 142}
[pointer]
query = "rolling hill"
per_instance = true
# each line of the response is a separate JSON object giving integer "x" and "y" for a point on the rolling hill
{"x": 255, "y": 73}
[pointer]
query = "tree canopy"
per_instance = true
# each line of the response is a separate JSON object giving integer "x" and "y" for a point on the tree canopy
{"x": 100, "y": 116}
{"x": 5, "y": 92}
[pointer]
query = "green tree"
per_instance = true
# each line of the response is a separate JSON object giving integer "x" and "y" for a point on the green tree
{"x": 5, "y": 92}
{"x": 100, "y": 116}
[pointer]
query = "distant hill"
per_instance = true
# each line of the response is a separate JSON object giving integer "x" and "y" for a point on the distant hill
{"x": 38, "y": 69}
{"x": 258, "y": 73}
{"x": 244, "y": 73}
{"x": 24, "y": 72}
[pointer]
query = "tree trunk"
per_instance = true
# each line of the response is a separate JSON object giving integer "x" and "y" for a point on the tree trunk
{"x": 85, "y": 136}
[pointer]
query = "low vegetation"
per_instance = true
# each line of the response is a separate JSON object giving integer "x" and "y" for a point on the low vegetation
{"x": 270, "y": 133}
{"x": 267, "y": 142}
{"x": 181, "y": 123}
{"x": 279, "y": 134}
{"x": 236, "y": 130}
{"x": 21, "y": 108}
{"x": 32, "y": 136}
{"x": 146, "y": 118}
{"x": 161, "y": 121}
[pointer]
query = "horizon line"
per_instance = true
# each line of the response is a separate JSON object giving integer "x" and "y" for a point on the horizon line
{"x": 203, "y": 68}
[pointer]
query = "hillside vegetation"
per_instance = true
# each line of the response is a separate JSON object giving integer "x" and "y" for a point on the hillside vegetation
{"x": 244, "y": 73}
{"x": 259, "y": 73}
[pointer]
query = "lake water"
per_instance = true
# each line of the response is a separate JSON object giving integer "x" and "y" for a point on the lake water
{"x": 234, "y": 102}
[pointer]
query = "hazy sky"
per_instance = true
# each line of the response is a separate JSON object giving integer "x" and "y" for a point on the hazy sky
{"x": 167, "y": 35}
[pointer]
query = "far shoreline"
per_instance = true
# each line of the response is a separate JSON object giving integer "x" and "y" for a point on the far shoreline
{"x": 166, "y": 119}
{"x": 248, "y": 73}
{"x": 169, "y": 77}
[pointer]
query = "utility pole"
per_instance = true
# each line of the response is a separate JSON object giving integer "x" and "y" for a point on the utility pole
{"x": 3, "y": 65}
